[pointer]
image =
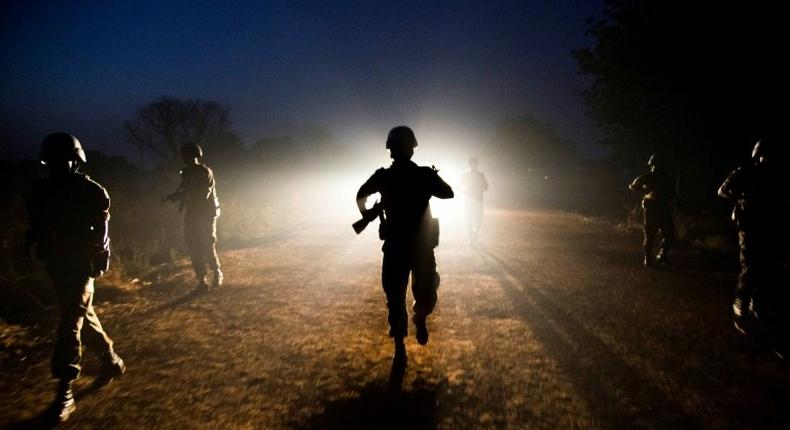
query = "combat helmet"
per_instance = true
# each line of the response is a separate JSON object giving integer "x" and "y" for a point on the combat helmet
{"x": 654, "y": 161}
{"x": 61, "y": 146}
{"x": 191, "y": 150}
{"x": 401, "y": 137}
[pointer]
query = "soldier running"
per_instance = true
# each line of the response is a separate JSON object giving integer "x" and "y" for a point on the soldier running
{"x": 658, "y": 195}
{"x": 197, "y": 196}
{"x": 69, "y": 215}
{"x": 475, "y": 185}
{"x": 410, "y": 234}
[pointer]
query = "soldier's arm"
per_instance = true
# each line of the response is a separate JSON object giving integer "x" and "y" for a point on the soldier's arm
{"x": 441, "y": 189}
{"x": 178, "y": 194}
{"x": 729, "y": 189}
{"x": 370, "y": 187}
{"x": 638, "y": 184}
{"x": 100, "y": 216}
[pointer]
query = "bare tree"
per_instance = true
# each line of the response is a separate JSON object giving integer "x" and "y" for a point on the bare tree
{"x": 162, "y": 126}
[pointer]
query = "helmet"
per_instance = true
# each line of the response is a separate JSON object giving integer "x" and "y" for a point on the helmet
{"x": 61, "y": 146}
{"x": 401, "y": 137}
{"x": 653, "y": 161}
{"x": 191, "y": 150}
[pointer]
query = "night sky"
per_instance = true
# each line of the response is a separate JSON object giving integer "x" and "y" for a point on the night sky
{"x": 356, "y": 68}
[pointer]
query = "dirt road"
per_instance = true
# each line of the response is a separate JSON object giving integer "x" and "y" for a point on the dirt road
{"x": 551, "y": 323}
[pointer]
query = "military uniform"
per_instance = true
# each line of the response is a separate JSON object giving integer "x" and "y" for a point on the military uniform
{"x": 475, "y": 184}
{"x": 198, "y": 196}
{"x": 68, "y": 215}
{"x": 658, "y": 190}
{"x": 759, "y": 217}
{"x": 410, "y": 234}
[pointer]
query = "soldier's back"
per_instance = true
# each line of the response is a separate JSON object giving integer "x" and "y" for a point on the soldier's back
{"x": 65, "y": 209}
{"x": 406, "y": 189}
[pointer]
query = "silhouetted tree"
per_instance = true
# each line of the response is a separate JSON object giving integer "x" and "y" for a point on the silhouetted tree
{"x": 526, "y": 142}
{"x": 164, "y": 125}
{"x": 696, "y": 81}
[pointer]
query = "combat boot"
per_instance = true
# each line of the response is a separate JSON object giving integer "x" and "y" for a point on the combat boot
{"x": 422, "y": 329}
{"x": 399, "y": 360}
{"x": 202, "y": 286}
{"x": 63, "y": 405}
{"x": 113, "y": 367}
{"x": 218, "y": 278}
{"x": 740, "y": 310}
{"x": 647, "y": 262}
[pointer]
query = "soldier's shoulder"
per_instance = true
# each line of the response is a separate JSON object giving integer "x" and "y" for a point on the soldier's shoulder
{"x": 428, "y": 170}
{"x": 738, "y": 172}
{"x": 93, "y": 185}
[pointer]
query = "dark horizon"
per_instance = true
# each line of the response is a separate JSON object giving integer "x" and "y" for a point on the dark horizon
{"x": 355, "y": 70}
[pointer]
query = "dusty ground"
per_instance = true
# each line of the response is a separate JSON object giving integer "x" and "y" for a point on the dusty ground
{"x": 551, "y": 323}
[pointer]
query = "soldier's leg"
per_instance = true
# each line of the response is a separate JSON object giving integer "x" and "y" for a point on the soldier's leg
{"x": 93, "y": 333}
{"x": 746, "y": 278}
{"x": 394, "y": 279}
{"x": 211, "y": 252}
{"x": 650, "y": 229}
{"x": 196, "y": 248}
{"x": 67, "y": 355}
{"x": 667, "y": 234}
{"x": 97, "y": 340}
{"x": 425, "y": 283}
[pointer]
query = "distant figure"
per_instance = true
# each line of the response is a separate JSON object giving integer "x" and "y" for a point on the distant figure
{"x": 197, "y": 196}
{"x": 475, "y": 184}
{"x": 658, "y": 195}
{"x": 410, "y": 234}
{"x": 758, "y": 190}
{"x": 69, "y": 214}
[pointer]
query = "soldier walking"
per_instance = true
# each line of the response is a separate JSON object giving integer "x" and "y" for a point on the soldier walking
{"x": 757, "y": 189}
{"x": 658, "y": 195}
{"x": 197, "y": 197}
{"x": 475, "y": 184}
{"x": 69, "y": 216}
{"x": 410, "y": 234}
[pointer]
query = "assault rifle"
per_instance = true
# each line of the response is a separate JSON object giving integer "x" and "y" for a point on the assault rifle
{"x": 377, "y": 211}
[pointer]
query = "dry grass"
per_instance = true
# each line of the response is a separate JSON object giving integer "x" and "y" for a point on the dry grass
{"x": 551, "y": 324}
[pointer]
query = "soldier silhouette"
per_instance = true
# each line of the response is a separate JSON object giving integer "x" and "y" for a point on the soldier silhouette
{"x": 658, "y": 195}
{"x": 410, "y": 234}
{"x": 69, "y": 216}
{"x": 197, "y": 196}
{"x": 758, "y": 190}
{"x": 475, "y": 184}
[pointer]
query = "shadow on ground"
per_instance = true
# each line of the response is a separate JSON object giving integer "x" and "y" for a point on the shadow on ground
{"x": 380, "y": 405}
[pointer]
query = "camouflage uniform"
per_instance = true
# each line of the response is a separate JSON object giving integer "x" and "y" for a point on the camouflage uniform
{"x": 758, "y": 213}
{"x": 658, "y": 194}
{"x": 68, "y": 223}
{"x": 410, "y": 234}
{"x": 198, "y": 196}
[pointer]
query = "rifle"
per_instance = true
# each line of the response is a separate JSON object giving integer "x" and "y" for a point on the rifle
{"x": 377, "y": 211}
